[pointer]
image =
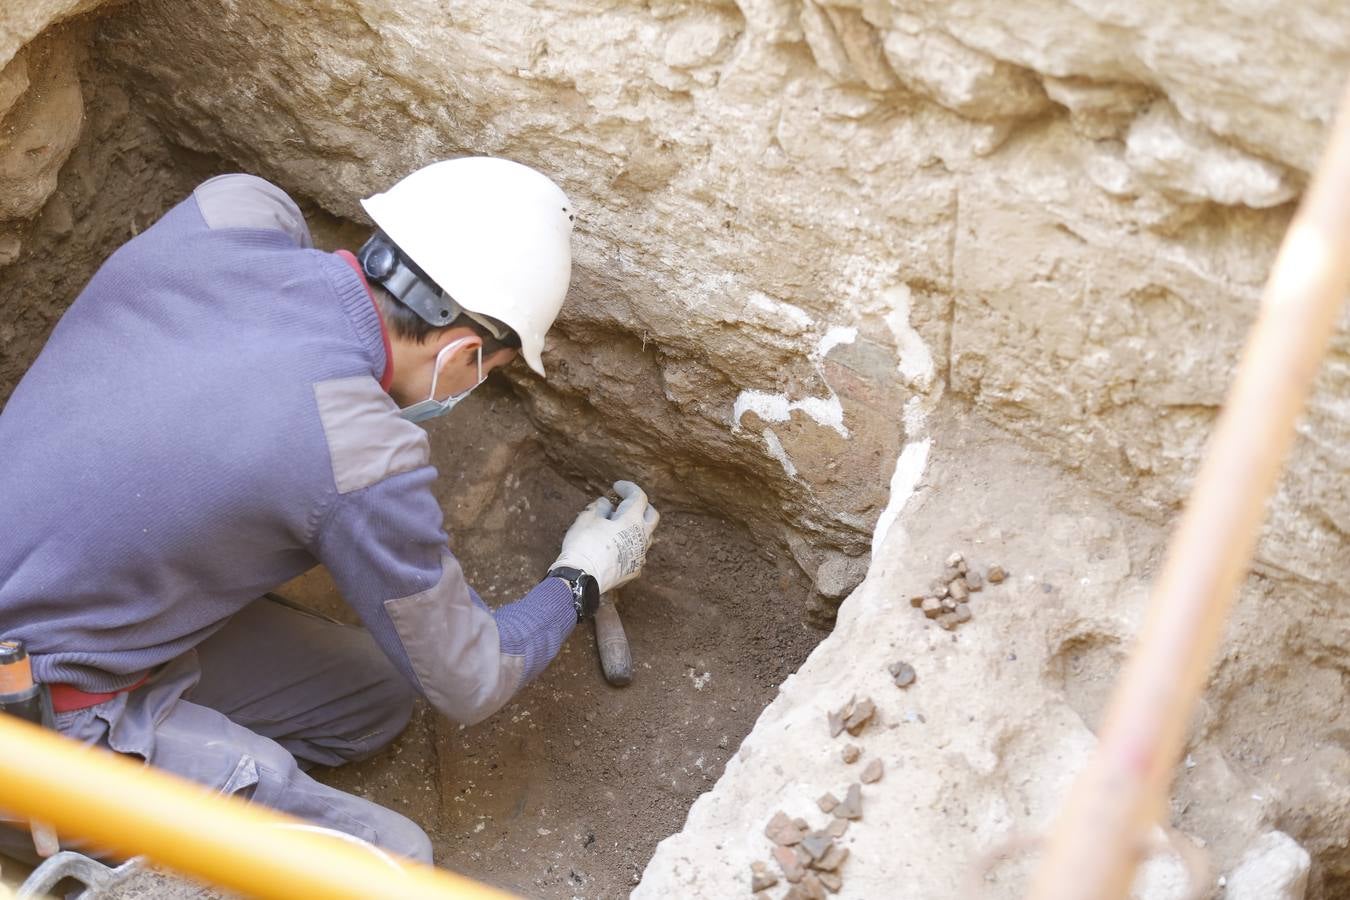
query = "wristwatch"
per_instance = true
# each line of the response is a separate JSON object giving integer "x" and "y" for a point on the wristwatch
{"x": 585, "y": 590}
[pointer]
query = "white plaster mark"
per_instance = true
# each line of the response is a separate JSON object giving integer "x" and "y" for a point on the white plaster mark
{"x": 775, "y": 448}
{"x": 836, "y": 335}
{"x": 916, "y": 360}
{"x": 909, "y": 468}
{"x": 915, "y": 414}
{"x": 827, "y": 411}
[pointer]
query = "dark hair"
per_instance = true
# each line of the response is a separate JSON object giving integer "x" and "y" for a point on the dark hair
{"x": 408, "y": 325}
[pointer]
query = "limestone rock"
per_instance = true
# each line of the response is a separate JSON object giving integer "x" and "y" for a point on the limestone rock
{"x": 1181, "y": 158}
{"x": 40, "y": 130}
{"x": 22, "y": 22}
{"x": 13, "y": 81}
{"x": 839, "y": 575}
{"x": 964, "y": 80}
{"x": 1275, "y": 868}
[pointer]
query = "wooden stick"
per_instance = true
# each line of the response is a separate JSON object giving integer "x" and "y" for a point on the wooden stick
{"x": 1103, "y": 828}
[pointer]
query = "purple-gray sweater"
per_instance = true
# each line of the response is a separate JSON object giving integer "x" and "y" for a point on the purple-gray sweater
{"x": 207, "y": 422}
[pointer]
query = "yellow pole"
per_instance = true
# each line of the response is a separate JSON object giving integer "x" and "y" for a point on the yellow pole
{"x": 1100, "y": 835}
{"x": 115, "y": 803}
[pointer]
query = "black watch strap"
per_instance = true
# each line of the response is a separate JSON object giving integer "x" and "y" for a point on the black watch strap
{"x": 585, "y": 590}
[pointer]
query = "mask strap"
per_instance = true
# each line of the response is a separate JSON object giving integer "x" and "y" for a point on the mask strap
{"x": 451, "y": 348}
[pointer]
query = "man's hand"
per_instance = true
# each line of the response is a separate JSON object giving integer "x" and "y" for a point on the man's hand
{"x": 611, "y": 544}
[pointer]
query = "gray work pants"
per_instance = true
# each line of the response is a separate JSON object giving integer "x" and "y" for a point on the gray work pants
{"x": 273, "y": 690}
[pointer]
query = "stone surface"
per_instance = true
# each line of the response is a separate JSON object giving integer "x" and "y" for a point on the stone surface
{"x": 990, "y": 738}
{"x": 760, "y": 877}
{"x": 40, "y": 127}
{"x": 948, "y": 250}
{"x": 839, "y": 575}
{"x": 1275, "y": 868}
{"x": 902, "y": 673}
{"x": 810, "y": 232}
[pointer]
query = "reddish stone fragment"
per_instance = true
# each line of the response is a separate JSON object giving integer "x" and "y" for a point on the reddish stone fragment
{"x": 786, "y": 858}
{"x": 851, "y": 806}
{"x": 861, "y": 714}
{"x": 782, "y": 830}
{"x": 761, "y": 879}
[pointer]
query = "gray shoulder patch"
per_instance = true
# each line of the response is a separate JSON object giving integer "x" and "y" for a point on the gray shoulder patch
{"x": 247, "y": 201}
{"x": 367, "y": 440}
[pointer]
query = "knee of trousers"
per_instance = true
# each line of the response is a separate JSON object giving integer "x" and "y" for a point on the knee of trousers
{"x": 390, "y": 708}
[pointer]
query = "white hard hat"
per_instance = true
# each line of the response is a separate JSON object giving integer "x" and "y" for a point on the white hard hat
{"x": 493, "y": 234}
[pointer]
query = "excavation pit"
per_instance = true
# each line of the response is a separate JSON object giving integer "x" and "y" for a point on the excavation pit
{"x": 839, "y": 319}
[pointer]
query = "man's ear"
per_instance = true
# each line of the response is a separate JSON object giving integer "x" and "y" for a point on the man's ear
{"x": 466, "y": 354}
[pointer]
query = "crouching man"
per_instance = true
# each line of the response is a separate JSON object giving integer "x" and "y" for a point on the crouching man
{"x": 224, "y": 407}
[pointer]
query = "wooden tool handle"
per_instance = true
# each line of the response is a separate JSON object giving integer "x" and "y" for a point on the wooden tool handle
{"x": 615, "y": 658}
{"x": 1122, "y": 794}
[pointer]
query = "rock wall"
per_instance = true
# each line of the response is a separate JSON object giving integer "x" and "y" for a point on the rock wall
{"x": 809, "y": 233}
{"x": 786, "y": 204}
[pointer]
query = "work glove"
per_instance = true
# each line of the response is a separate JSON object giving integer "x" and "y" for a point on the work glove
{"x": 611, "y": 544}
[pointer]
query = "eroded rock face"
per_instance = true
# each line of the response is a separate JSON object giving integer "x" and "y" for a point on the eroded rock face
{"x": 808, "y": 232}
{"x": 802, "y": 222}
{"x": 41, "y": 109}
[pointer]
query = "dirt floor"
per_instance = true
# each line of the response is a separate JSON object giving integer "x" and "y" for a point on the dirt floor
{"x": 566, "y": 791}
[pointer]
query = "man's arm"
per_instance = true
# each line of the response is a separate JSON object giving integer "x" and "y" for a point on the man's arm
{"x": 383, "y": 541}
{"x": 387, "y": 553}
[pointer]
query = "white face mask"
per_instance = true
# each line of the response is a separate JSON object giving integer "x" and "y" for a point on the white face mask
{"x": 430, "y": 408}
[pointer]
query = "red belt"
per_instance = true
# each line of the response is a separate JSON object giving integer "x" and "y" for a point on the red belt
{"x": 67, "y": 698}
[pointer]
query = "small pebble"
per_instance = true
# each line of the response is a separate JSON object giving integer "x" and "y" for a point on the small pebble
{"x": 995, "y": 575}
{"x": 836, "y": 721}
{"x": 974, "y": 581}
{"x": 832, "y": 881}
{"x": 902, "y": 673}
{"x": 809, "y": 889}
{"x": 786, "y": 858}
{"x": 962, "y": 614}
{"x": 871, "y": 773}
{"x": 851, "y": 753}
{"x": 837, "y": 827}
{"x": 938, "y": 588}
{"x": 858, "y": 718}
{"x": 958, "y": 589}
{"x": 932, "y": 607}
{"x": 817, "y": 844}
{"x": 782, "y": 830}
{"x": 761, "y": 879}
{"x": 833, "y": 859}
{"x": 947, "y": 621}
{"x": 916, "y": 601}
{"x": 950, "y": 574}
{"x": 851, "y": 806}
{"x": 954, "y": 560}
{"x": 827, "y": 802}
{"x": 950, "y": 603}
